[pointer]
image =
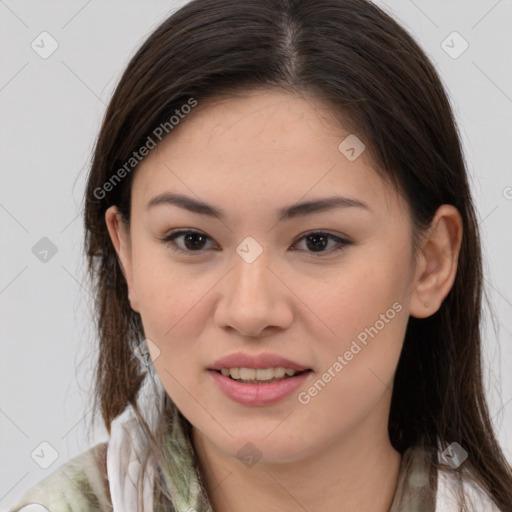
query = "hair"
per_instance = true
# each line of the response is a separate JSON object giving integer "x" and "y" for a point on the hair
{"x": 359, "y": 61}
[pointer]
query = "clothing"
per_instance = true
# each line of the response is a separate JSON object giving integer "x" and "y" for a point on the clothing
{"x": 101, "y": 479}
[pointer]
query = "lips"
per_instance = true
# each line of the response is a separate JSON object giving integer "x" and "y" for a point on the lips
{"x": 258, "y": 361}
{"x": 259, "y": 393}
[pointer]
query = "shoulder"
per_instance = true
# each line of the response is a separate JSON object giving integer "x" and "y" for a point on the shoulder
{"x": 80, "y": 485}
{"x": 448, "y": 487}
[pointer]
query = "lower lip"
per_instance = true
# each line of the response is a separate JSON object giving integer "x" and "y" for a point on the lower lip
{"x": 258, "y": 394}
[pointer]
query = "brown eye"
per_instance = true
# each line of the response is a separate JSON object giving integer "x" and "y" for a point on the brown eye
{"x": 317, "y": 242}
{"x": 192, "y": 241}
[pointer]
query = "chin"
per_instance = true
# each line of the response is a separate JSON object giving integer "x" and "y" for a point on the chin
{"x": 258, "y": 450}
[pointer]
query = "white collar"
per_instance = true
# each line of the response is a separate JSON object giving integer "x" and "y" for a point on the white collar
{"x": 125, "y": 450}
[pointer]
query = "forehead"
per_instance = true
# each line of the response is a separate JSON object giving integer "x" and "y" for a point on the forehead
{"x": 260, "y": 146}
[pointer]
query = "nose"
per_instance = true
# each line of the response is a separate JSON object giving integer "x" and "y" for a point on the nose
{"x": 254, "y": 301}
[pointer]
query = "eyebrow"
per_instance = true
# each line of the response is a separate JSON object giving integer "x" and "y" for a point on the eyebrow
{"x": 289, "y": 212}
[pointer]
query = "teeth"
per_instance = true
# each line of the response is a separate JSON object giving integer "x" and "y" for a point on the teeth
{"x": 259, "y": 374}
{"x": 247, "y": 373}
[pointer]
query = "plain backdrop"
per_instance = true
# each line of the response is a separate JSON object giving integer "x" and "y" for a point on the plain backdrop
{"x": 51, "y": 109}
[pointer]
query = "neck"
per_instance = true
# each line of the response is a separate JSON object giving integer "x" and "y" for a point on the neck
{"x": 357, "y": 472}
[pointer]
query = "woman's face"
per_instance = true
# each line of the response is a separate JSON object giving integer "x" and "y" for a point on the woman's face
{"x": 252, "y": 282}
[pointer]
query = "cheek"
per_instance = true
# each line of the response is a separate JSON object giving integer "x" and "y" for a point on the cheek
{"x": 169, "y": 303}
{"x": 355, "y": 299}
{"x": 365, "y": 312}
{"x": 171, "y": 297}
{"x": 356, "y": 365}
{"x": 160, "y": 289}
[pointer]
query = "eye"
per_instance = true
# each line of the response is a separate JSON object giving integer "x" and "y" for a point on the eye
{"x": 195, "y": 241}
{"x": 319, "y": 240}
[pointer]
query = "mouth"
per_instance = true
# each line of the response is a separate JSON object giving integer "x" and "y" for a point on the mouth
{"x": 262, "y": 391}
{"x": 258, "y": 379}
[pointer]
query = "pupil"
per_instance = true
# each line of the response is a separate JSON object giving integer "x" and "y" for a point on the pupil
{"x": 190, "y": 238}
{"x": 319, "y": 241}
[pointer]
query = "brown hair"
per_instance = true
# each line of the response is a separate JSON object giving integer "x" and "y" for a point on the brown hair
{"x": 357, "y": 59}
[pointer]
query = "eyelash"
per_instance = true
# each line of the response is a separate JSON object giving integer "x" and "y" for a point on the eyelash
{"x": 342, "y": 243}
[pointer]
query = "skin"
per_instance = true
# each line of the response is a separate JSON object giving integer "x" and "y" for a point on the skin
{"x": 250, "y": 155}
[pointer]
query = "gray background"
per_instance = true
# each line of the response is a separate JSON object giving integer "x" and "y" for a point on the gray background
{"x": 51, "y": 110}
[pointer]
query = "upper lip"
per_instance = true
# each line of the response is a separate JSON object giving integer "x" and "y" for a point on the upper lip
{"x": 266, "y": 360}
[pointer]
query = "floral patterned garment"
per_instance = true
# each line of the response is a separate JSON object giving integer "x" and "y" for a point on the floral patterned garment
{"x": 81, "y": 485}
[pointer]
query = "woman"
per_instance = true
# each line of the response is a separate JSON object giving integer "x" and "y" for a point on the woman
{"x": 287, "y": 265}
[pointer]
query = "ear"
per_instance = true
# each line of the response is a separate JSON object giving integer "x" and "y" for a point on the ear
{"x": 436, "y": 262}
{"x": 120, "y": 235}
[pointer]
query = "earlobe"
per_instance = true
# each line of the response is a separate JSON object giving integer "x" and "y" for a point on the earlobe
{"x": 437, "y": 262}
{"x": 120, "y": 236}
